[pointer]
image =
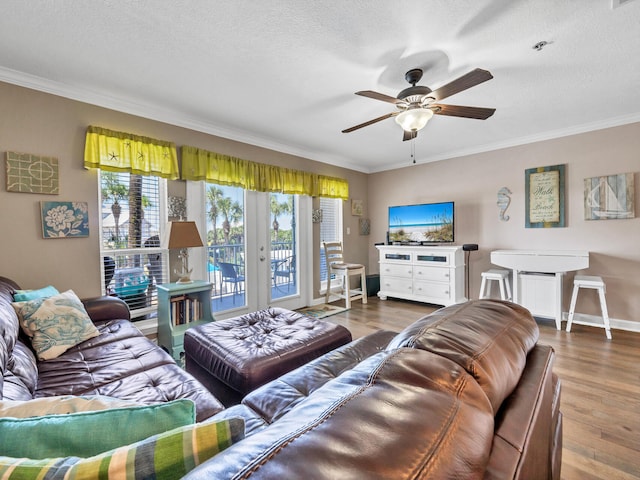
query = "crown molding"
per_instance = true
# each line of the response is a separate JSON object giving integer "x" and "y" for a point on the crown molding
{"x": 179, "y": 119}
{"x": 171, "y": 117}
{"x": 516, "y": 142}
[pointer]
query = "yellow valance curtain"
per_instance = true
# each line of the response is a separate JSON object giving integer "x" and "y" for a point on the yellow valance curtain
{"x": 198, "y": 164}
{"x": 124, "y": 152}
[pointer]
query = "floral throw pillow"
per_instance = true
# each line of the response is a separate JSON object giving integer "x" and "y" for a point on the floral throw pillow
{"x": 55, "y": 324}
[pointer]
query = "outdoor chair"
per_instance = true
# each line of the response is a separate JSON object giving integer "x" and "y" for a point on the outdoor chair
{"x": 284, "y": 269}
{"x": 230, "y": 273}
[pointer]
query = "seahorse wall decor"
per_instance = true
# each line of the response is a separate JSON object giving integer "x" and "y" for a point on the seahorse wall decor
{"x": 503, "y": 202}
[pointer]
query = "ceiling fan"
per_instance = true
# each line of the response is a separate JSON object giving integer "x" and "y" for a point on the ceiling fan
{"x": 416, "y": 105}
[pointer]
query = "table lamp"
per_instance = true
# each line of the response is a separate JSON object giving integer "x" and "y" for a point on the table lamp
{"x": 183, "y": 235}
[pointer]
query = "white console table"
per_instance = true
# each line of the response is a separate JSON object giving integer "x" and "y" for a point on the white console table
{"x": 427, "y": 274}
{"x": 537, "y": 277}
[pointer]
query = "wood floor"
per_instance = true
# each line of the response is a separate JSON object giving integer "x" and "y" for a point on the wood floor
{"x": 600, "y": 387}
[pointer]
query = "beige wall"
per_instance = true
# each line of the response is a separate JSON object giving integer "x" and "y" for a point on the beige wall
{"x": 43, "y": 124}
{"x": 473, "y": 182}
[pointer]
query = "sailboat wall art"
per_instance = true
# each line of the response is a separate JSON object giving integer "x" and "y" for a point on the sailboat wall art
{"x": 610, "y": 197}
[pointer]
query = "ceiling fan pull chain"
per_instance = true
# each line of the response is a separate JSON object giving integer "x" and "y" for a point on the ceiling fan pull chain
{"x": 413, "y": 150}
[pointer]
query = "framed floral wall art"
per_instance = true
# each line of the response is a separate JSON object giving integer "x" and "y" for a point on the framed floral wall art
{"x": 65, "y": 219}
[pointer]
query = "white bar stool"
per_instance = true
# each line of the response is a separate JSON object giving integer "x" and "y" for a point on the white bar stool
{"x": 595, "y": 283}
{"x": 500, "y": 276}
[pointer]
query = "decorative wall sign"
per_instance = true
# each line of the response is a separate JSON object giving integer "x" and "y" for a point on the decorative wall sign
{"x": 365, "y": 226}
{"x": 357, "y": 208}
{"x": 610, "y": 197}
{"x": 316, "y": 215}
{"x": 544, "y": 197}
{"x": 504, "y": 200}
{"x": 65, "y": 219}
{"x": 28, "y": 173}
{"x": 177, "y": 207}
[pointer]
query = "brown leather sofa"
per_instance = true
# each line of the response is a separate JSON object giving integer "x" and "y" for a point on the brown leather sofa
{"x": 466, "y": 392}
{"x": 120, "y": 362}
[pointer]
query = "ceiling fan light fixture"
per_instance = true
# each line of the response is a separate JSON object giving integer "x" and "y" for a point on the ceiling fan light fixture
{"x": 414, "y": 119}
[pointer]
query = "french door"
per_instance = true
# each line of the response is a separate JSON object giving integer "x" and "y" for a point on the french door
{"x": 258, "y": 251}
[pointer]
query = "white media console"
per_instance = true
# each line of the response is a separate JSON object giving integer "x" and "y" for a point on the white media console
{"x": 430, "y": 274}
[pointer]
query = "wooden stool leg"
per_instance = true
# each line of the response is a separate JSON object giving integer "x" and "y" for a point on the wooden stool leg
{"x": 605, "y": 312}
{"x": 509, "y": 296}
{"x": 347, "y": 290}
{"x": 572, "y": 308}
{"x": 363, "y": 284}
{"x": 326, "y": 296}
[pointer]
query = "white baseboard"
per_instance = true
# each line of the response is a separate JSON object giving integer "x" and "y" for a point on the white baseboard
{"x": 596, "y": 321}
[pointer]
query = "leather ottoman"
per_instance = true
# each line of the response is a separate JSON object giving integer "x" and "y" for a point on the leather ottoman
{"x": 235, "y": 356}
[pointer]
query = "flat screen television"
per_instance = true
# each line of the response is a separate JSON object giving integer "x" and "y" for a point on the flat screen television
{"x": 427, "y": 223}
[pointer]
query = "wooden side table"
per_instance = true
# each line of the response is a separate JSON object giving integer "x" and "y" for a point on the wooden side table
{"x": 181, "y": 306}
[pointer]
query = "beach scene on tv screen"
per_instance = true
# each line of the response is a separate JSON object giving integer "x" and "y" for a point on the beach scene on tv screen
{"x": 432, "y": 222}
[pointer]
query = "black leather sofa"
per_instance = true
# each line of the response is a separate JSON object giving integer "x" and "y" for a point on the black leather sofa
{"x": 121, "y": 362}
{"x": 466, "y": 392}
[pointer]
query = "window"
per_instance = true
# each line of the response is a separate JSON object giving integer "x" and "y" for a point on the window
{"x": 330, "y": 230}
{"x": 132, "y": 224}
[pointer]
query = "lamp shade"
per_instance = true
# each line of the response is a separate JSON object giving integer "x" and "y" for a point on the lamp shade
{"x": 414, "y": 119}
{"x": 182, "y": 235}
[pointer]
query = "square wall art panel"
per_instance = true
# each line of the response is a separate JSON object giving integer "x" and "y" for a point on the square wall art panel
{"x": 65, "y": 219}
{"x": 28, "y": 173}
{"x": 610, "y": 197}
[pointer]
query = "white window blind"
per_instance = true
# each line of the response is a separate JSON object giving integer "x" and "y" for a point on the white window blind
{"x": 132, "y": 224}
{"x": 330, "y": 228}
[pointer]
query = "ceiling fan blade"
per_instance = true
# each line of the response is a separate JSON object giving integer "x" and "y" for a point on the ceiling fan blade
{"x": 409, "y": 135}
{"x": 479, "y": 113}
{"x": 370, "y": 122}
{"x": 378, "y": 96}
{"x": 469, "y": 80}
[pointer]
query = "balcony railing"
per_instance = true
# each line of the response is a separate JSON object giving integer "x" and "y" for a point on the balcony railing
{"x": 229, "y": 280}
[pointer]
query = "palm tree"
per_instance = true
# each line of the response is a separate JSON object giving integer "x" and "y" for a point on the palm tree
{"x": 236, "y": 213}
{"x": 232, "y": 212}
{"x": 214, "y": 195}
{"x": 278, "y": 209}
{"x": 115, "y": 191}
{"x": 136, "y": 212}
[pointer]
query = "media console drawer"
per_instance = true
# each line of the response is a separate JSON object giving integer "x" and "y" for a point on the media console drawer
{"x": 400, "y": 286}
{"x": 431, "y": 258}
{"x": 397, "y": 257}
{"x": 424, "y": 274}
{"x": 435, "y": 274}
{"x": 436, "y": 291}
{"x": 403, "y": 271}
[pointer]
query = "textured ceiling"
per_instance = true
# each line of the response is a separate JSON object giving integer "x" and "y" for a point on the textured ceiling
{"x": 282, "y": 74}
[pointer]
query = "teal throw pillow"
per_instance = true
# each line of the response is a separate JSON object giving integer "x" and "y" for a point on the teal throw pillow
{"x": 55, "y": 324}
{"x": 167, "y": 456}
{"x": 90, "y": 433}
{"x": 23, "y": 295}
